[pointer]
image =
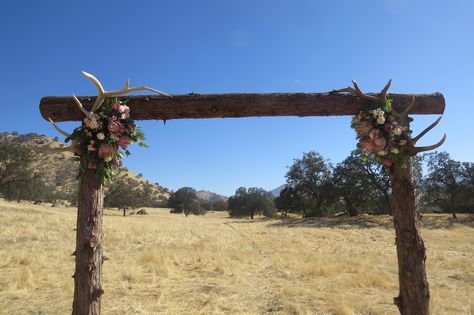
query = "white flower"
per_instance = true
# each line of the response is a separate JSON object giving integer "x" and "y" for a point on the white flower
{"x": 395, "y": 151}
{"x": 108, "y": 158}
{"x": 397, "y": 131}
{"x": 100, "y": 136}
{"x": 381, "y": 120}
{"x": 382, "y": 153}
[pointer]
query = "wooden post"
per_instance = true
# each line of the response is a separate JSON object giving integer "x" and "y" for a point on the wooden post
{"x": 414, "y": 293}
{"x": 89, "y": 249}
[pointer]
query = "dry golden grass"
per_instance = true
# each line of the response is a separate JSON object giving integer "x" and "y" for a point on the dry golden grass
{"x": 170, "y": 264}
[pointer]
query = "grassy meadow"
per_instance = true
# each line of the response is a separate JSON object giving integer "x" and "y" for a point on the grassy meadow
{"x": 170, "y": 264}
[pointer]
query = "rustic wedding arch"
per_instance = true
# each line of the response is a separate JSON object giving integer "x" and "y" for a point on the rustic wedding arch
{"x": 413, "y": 298}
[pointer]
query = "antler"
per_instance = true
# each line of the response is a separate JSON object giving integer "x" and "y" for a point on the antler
{"x": 71, "y": 148}
{"x": 382, "y": 98}
{"x": 356, "y": 91}
{"x": 102, "y": 94}
{"x": 414, "y": 150}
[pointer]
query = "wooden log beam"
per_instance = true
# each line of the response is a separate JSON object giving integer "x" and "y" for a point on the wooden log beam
{"x": 238, "y": 105}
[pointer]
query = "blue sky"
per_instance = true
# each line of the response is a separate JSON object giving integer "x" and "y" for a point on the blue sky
{"x": 238, "y": 46}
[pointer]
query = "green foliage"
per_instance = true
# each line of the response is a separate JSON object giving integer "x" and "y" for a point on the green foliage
{"x": 185, "y": 200}
{"x": 251, "y": 202}
{"x": 124, "y": 194}
{"x": 449, "y": 184}
{"x": 310, "y": 179}
{"x": 362, "y": 185}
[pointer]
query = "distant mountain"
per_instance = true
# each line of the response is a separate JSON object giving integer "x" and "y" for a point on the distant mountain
{"x": 276, "y": 192}
{"x": 60, "y": 169}
{"x": 210, "y": 196}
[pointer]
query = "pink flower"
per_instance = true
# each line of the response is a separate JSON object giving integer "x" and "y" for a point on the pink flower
{"x": 367, "y": 146}
{"x": 116, "y": 107}
{"x": 380, "y": 143}
{"x": 125, "y": 110}
{"x": 115, "y": 126}
{"x": 91, "y": 165}
{"x": 91, "y": 121}
{"x": 363, "y": 128}
{"x": 116, "y": 161}
{"x": 123, "y": 142}
{"x": 106, "y": 151}
{"x": 387, "y": 163}
{"x": 388, "y": 127}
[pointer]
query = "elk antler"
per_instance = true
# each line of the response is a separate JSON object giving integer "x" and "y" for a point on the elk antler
{"x": 356, "y": 91}
{"x": 102, "y": 94}
{"x": 71, "y": 148}
{"x": 414, "y": 150}
{"x": 382, "y": 98}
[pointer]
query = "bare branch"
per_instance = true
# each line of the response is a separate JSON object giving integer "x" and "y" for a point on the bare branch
{"x": 424, "y": 132}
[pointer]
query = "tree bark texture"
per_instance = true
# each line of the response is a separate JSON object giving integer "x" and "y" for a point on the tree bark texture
{"x": 62, "y": 108}
{"x": 89, "y": 247}
{"x": 414, "y": 293}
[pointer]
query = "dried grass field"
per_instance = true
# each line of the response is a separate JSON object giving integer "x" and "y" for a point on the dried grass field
{"x": 170, "y": 264}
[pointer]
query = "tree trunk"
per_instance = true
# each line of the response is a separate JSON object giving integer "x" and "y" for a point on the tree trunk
{"x": 414, "y": 294}
{"x": 89, "y": 250}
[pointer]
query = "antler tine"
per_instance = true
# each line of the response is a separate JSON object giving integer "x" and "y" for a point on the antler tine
{"x": 383, "y": 94}
{"x": 78, "y": 103}
{"x": 102, "y": 94}
{"x": 128, "y": 90}
{"x": 64, "y": 133}
{"x": 429, "y": 147}
{"x": 362, "y": 95}
{"x": 407, "y": 109}
{"x": 100, "y": 91}
{"x": 424, "y": 132}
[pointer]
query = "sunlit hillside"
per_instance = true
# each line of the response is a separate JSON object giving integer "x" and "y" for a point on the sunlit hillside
{"x": 60, "y": 169}
{"x": 170, "y": 264}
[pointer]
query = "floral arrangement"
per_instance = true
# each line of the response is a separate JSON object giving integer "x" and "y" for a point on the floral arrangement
{"x": 382, "y": 137}
{"x": 103, "y": 138}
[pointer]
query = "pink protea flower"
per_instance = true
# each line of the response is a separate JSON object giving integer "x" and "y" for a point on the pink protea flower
{"x": 106, "y": 151}
{"x": 363, "y": 128}
{"x": 367, "y": 146}
{"x": 123, "y": 142}
{"x": 115, "y": 126}
{"x": 387, "y": 163}
{"x": 380, "y": 143}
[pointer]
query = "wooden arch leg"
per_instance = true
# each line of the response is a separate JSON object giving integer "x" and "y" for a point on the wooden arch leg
{"x": 414, "y": 293}
{"x": 89, "y": 249}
